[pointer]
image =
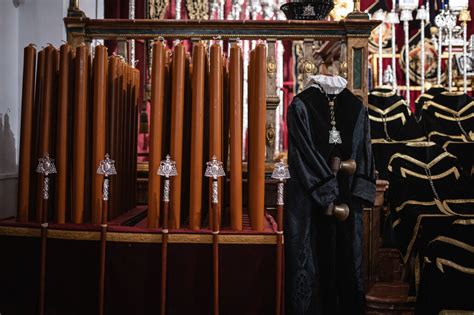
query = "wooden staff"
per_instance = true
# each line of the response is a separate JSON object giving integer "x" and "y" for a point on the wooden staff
{"x": 106, "y": 169}
{"x": 215, "y": 170}
{"x": 235, "y": 96}
{"x": 35, "y": 194}
{"x": 98, "y": 128}
{"x": 134, "y": 144}
{"x": 215, "y": 111}
{"x": 28, "y": 94}
{"x": 113, "y": 96}
{"x": 62, "y": 143}
{"x": 46, "y": 120}
{"x": 256, "y": 171}
{"x": 176, "y": 144}
{"x": 80, "y": 126}
{"x": 167, "y": 169}
{"x": 281, "y": 173}
{"x": 45, "y": 167}
{"x": 197, "y": 136}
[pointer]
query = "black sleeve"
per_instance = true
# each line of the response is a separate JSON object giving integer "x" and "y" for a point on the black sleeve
{"x": 307, "y": 165}
{"x": 364, "y": 179}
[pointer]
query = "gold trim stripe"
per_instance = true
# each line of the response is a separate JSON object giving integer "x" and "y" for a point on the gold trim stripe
{"x": 440, "y": 262}
{"x": 447, "y": 109}
{"x": 389, "y": 118}
{"x": 384, "y": 94}
{"x": 418, "y": 162}
{"x": 451, "y": 118}
{"x": 19, "y": 231}
{"x": 388, "y": 109}
{"x": 454, "y": 242}
{"x": 405, "y": 172}
{"x": 256, "y": 239}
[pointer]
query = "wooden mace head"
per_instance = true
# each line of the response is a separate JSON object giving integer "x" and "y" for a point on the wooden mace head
{"x": 339, "y": 211}
{"x": 348, "y": 167}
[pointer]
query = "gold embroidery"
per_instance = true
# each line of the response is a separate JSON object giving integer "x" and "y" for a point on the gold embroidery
{"x": 389, "y": 118}
{"x": 451, "y": 118}
{"x": 440, "y": 262}
{"x": 428, "y": 96}
{"x": 447, "y": 202}
{"x": 418, "y": 162}
{"x": 464, "y": 221}
{"x": 447, "y": 109}
{"x": 454, "y": 242}
{"x": 437, "y": 133}
{"x": 421, "y": 143}
{"x": 388, "y": 109}
{"x": 383, "y": 94}
{"x": 447, "y": 93}
{"x": 396, "y": 222}
{"x": 405, "y": 172}
{"x": 414, "y": 202}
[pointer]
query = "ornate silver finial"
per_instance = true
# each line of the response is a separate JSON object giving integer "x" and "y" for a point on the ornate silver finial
{"x": 214, "y": 168}
{"x": 46, "y": 165}
{"x": 281, "y": 171}
{"x": 107, "y": 167}
{"x": 167, "y": 167}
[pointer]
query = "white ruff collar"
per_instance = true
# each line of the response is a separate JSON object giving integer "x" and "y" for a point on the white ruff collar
{"x": 330, "y": 84}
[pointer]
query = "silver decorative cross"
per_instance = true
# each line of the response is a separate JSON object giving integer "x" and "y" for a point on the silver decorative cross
{"x": 215, "y": 170}
{"x": 106, "y": 168}
{"x": 46, "y": 167}
{"x": 167, "y": 169}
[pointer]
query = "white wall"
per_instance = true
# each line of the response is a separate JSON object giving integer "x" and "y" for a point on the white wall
{"x": 33, "y": 21}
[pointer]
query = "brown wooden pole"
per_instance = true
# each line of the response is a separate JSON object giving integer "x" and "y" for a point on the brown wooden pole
{"x": 215, "y": 110}
{"x": 215, "y": 254}
{"x": 197, "y": 136}
{"x": 62, "y": 143}
{"x": 257, "y": 137}
{"x": 279, "y": 259}
{"x": 235, "y": 96}
{"x": 103, "y": 254}
{"x": 112, "y": 118}
{"x": 156, "y": 132}
{"x": 46, "y": 120}
{"x": 44, "y": 235}
{"x": 27, "y": 106}
{"x": 164, "y": 255}
{"x": 98, "y": 129}
{"x": 176, "y": 143}
{"x": 80, "y": 125}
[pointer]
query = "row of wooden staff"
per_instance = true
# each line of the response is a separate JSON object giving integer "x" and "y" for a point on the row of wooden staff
{"x": 76, "y": 109}
{"x": 196, "y": 113}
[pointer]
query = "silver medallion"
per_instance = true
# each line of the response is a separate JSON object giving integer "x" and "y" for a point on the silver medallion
{"x": 334, "y": 136}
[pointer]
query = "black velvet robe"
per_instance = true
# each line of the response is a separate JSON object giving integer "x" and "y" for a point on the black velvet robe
{"x": 391, "y": 119}
{"x": 323, "y": 257}
{"x": 427, "y": 96}
{"x": 444, "y": 115}
{"x": 447, "y": 279}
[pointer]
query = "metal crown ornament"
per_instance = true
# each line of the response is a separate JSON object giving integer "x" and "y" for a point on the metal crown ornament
{"x": 107, "y": 167}
{"x": 214, "y": 168}
{"x": 46, "y": 165}
{"x": 281, "y": 171}
{"x": 167, "y": 168}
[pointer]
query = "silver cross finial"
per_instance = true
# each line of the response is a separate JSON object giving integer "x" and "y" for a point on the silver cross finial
{"x": 46, "y": 165}
{"x": 214, "y": 168}
{"x": 107, "y": 167}
{"x": 281, "y": 171}
{"x": 167, "y": 167}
